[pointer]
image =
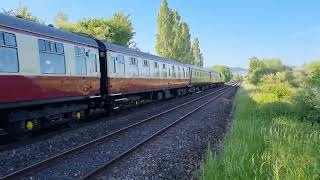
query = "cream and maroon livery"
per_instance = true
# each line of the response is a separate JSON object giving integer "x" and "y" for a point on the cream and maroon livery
{"x": 52, "y": 76}
{"x": 28, "y": 84}
{"x": 132, "y": 71}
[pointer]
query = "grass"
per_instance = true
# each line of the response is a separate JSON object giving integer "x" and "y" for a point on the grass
{"x": 267, "y": 141}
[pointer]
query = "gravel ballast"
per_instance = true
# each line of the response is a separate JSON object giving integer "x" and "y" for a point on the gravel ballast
{"x": 23, "y": 156}
{"x": 82, "y": 163}
{"x": 178, "y": 153}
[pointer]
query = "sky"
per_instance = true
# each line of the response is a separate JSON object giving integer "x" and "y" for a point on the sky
{"x": 229, "y": 31}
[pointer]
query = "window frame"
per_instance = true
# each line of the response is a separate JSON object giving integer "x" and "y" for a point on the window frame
{"x": 47, "y": 50}
{"x": 145, "y": 63}
{"x": 114, "y": 59}
{"x": 133, "y": 61}
{"x": 93, "y": 55}
{"x": 15, "y": 47}
{"x": 80, "y": 52}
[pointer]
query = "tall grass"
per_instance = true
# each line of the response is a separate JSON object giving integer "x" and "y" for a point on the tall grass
{"x": 267, "y": 141}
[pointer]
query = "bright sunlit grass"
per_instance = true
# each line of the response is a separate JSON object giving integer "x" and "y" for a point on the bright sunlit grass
{"x": 266, "y": 141}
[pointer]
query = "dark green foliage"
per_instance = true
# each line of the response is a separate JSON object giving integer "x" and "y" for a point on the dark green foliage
{"x": 117, "y": 29}
{"x": 173, "y": 36}
{"x": 307, "y": 103}
{"x": 307, "y": 100}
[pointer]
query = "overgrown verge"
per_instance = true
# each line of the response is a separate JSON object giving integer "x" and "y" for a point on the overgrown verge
{"x": 268, "y": 139}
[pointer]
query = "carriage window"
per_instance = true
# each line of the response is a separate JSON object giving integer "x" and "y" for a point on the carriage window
{"x": 8, "y": 53}
{"x": 53, "y": 47}
{"x": 173, "y": 72}
{"x": 59, "y": 47}
{"x": 1, "y": 39}
{"x": 113, "y": 63}
{"x": 120, "y": 59}
{"x": 51, "y": 61}
{"x": 93, "y": 60}
{"x": 145, "y": 63}
{"x": 81, "y": 64}
{"x": 42, "y": 45}
{"x": 10, "y": 39}
{"x": 133, "y": 61}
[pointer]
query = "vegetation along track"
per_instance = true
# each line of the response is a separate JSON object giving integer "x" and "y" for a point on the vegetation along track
{"x": 33, "y": 169}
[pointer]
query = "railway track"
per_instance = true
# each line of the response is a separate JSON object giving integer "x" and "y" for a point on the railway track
{"x": 31, "y": 170}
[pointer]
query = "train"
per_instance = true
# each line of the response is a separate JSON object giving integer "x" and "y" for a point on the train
{"x": 49, "y": 76}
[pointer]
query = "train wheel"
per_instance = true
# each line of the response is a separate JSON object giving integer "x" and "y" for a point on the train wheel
{"x": 17, "y": 131}
{"x": 75, "y": 118}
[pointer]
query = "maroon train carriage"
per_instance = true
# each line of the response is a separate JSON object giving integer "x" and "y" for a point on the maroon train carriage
{"x": 50, "y": 76}
{"x": 46, "y": 75}
{"x": 131, "y": 72}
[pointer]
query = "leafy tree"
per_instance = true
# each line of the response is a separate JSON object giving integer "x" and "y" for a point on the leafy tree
{"x": 259, "y": 68}
{"x": 22, "y": 12}
{"x": 61, "y": 18}
{"x": 173, "y": 37}
{"x": 164, "y": 37}
{"x": 255, "y": 63}
{"x": 176, "y": 33}
{"x": 118, "y": 29}
{"x": 225, "y": 71}
{"x": 186, "y": 43}
{"x": 121, "y": 29}
{"x": 198, "y": 58}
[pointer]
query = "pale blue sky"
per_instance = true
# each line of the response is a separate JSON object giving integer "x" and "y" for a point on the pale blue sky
{"x": 229, "y": 31}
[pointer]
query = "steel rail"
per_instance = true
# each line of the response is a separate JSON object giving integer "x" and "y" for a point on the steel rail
{"x": 98, "y": 171}
{"x": 47, "y": 162}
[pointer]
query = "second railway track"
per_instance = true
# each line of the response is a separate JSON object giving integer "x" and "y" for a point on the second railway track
{"x": 116, "y": 149}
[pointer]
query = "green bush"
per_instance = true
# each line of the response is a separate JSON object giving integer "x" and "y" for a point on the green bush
{"x": 307, "y": 100}
{"x": 277, "y": 84}
{"x": 307, "y": 103}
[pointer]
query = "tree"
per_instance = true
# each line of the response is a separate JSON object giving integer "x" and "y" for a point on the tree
{"x": 22, "y": 12}
{"x": 225, "y": 71}
{"x": 173, "y": 36}
{"x": 186, "y": 43}
{"x": 121, "y": 29}
{"x": 264, "y": 67}
{"x": 255, "y": 63}
{"x": 118, "y": 29}
{"x": 61, "y": 18}
{"x": 198, "y": 59}
{"x": 176, "y": 33}
{"x": 164, "y": 37}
